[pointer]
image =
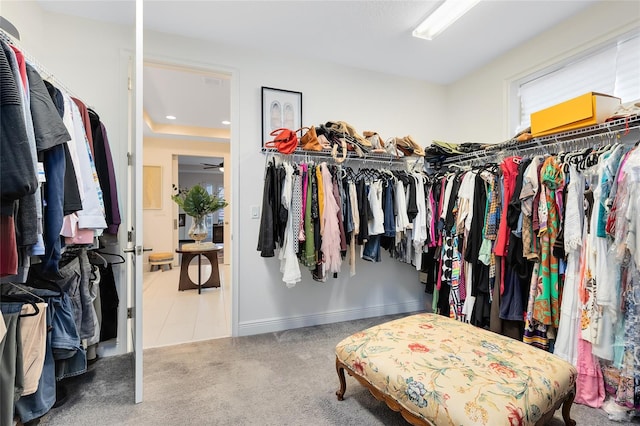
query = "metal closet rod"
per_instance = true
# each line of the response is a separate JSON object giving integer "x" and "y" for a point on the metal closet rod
{"x": 44, "y": 73}
{"x": 300, "y": 154}
{"x": 546, "y": 144}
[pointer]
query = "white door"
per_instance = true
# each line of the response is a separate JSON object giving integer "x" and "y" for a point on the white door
{"x": 134, "y": 213}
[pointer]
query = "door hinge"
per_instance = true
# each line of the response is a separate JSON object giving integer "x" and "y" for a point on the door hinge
{"x": 129, "y": 159}
{"x": 129, "y": 312}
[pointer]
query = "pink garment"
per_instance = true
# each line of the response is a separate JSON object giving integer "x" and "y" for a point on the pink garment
{"x": 73, "y": 234}
{"x": 432, "y": 224}
{"x": 83, "y": 236}
{"x": 440, "y": 205}
{"x": 303, "y": 211}
{"x": 331, "y": 235}
{"x": 589, "y": 383}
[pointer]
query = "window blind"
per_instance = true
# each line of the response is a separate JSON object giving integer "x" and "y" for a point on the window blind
{"x": 613, "y": 70}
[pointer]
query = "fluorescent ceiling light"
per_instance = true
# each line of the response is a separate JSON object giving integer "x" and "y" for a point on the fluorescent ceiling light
{"x": 448, "y": 13}
{"x": 171, "y": 117}
{"x": 226, "y": 122}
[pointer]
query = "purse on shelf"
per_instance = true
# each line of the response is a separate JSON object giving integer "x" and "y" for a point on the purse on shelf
{"x": 391, "y": 146}
{"x": 285, "y": 141}
{"x": 377, "y": 144}
{"x": 309, "y": 141}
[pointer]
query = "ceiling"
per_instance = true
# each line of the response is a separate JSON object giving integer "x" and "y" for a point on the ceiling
{"x": 196, "y": 164}
{"x": 200, "y": 101}
{"x": 372, "y": 35}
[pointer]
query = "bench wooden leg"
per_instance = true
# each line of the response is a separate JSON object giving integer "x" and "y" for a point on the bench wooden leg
{"x": 566, "y": 409}
{"x": 343, "y": 383}
{"x": 566, "y": 403}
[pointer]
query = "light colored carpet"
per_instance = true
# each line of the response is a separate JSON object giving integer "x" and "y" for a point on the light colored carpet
{"x": 285, "y": 378}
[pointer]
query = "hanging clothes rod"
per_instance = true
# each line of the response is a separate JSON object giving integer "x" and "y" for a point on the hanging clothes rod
{"x": 373, "y": 158}
{"x": 8, "y": 27}
{"x": 44, "y": 73}
{"x": 626, "y": 128}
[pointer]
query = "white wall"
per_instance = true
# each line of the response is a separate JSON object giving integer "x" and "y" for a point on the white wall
{"x": 478, "y": 105}
{"x": 390, "y": 105}
{"x": 90, "y": 59}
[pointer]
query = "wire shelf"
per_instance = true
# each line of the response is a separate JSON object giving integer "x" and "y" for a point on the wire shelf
{"x": 373, "y": 157}
{"x": 546, "y": 143}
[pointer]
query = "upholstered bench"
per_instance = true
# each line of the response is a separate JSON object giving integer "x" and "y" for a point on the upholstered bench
{"x": 438, "y": 371}
{"x": 160, "y": 260}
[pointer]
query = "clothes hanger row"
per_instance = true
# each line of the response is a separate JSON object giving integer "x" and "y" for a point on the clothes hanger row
{"x": 547, "y": 145}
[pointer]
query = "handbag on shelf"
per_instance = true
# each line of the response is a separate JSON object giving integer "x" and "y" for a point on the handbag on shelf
{"x": 285, "y": 141}
{"x": 391, "y": 146}
{"x": 377, "y": 143}
{"x": 309, "y": 141}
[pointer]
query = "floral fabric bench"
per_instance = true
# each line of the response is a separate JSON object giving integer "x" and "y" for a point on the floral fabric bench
{"x": 438, "y": 371}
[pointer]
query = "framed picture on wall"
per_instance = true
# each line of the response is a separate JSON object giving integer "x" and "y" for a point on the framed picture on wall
{"x": 280, "y": 109}
{"x": 152, "y": 187}
{"x": 181, "y": 219}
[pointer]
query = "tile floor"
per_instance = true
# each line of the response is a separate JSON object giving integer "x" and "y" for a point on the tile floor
{"x": 173, "y": 317}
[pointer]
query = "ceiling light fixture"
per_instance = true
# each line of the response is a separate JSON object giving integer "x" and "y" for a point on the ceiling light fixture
{"x": 171, "y": 117}
{"x": 226, "y": 122}
{"x": 446, "y": 14}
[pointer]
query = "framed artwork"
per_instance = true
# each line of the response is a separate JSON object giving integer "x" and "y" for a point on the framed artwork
{"x": 152, "y": 187}
{"x": 280, "y": 109}
{"x": 181, "y": 219}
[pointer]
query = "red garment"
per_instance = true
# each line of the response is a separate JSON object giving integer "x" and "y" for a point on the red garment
{"x": 22, "y": 66}
{"x": 8, "y": 247}
{"x": 84, "y": 113}
{"x": 509, "y": 167}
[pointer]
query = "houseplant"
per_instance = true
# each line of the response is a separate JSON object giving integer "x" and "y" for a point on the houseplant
{"x": 197, "y": 203}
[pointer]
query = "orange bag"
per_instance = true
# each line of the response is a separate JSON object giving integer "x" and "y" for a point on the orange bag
{"x": 285, "y": 141}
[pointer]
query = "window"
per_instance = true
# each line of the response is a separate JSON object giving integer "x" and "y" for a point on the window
{"x": 613, "y": 69}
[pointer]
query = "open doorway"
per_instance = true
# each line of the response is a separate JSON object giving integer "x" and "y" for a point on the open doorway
{"x": 186, "y": 112}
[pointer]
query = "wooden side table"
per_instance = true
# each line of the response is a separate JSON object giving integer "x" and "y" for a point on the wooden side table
{"x": 185, "y": 281}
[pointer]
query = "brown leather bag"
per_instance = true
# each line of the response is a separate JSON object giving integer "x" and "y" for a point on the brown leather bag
{"x": 309, "y": 141}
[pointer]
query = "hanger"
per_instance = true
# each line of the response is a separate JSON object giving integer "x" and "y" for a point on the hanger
{"x": 24, "y": 290}
{"x": 23, "y": 300}
{"x": 122, "y": 259}
{"x": 95, "y": 256}
{"x": 42, "y": 280}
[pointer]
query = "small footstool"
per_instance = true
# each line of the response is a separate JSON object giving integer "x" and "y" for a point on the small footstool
{"x": 439, "y": 371}
{"x": 160, "y": 260}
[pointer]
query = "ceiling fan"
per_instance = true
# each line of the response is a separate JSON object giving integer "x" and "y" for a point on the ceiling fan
{"x": 220, "y": 166}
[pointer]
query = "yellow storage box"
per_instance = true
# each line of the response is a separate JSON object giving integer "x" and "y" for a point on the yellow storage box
{"x": 585, "y": 110}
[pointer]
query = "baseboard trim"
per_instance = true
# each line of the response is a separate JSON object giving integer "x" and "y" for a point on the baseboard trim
{"x": 249, "y": 328}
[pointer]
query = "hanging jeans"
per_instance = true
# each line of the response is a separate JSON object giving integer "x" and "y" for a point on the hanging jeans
{"x": 54, "y": 168}
{"x": 371, "y": 251}
{"x": 11, "y": 373}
